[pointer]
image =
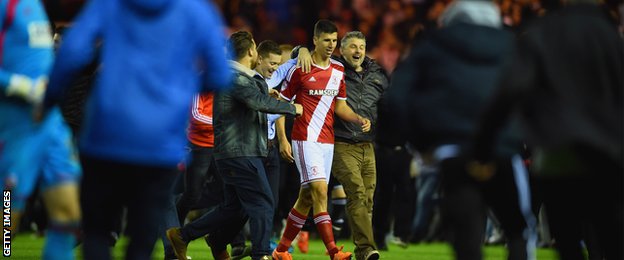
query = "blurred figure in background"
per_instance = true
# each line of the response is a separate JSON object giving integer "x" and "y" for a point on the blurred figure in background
{"x": 133, "y": 135}
{"x": 566, "y": 81}
{"x": 394, "y": 206}
{"x": 439, "y": 93}
{"x": 35, "y": 152}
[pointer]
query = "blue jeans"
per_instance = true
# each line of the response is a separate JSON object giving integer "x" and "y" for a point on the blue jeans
{"x": 171, "y": 214}
{"x": 247, "y": 196}
{"x": 428, "y": 183}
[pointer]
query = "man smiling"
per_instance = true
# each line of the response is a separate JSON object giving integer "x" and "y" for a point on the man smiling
{"x": 354, "y": 154}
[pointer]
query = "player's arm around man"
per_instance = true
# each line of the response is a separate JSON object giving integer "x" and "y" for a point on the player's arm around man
{"x": 346, "y": 113}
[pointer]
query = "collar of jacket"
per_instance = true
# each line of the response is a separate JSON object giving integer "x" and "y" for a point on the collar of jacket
{"x": 256, "y": 73}
{"x": 240, "y": 67}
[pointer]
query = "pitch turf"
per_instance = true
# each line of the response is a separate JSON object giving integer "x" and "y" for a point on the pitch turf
{"x": 29, "y": 246}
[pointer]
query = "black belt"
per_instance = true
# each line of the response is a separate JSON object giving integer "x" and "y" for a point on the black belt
{"x": 351, "y": 141}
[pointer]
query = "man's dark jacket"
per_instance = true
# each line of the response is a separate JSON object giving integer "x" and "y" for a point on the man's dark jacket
{"x": 440, "y": 91}
{"x": 363, "y": 94}
{"x": 240, "y": 122}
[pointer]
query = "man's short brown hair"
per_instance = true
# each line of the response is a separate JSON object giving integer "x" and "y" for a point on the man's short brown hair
{"x": 267, "y": 47}
{"x": 241, "y": 42}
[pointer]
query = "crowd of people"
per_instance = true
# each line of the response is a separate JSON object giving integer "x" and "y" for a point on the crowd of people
{"x": 470, "y": 111}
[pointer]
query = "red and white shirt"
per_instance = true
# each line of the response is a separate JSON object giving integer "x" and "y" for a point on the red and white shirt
{"x": 200, "y": 130}
{"x": 317, "y": 92}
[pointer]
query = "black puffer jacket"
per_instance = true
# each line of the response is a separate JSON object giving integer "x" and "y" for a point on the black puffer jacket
{"x": 363, "y": 94}
{"x": 240, "y": 122}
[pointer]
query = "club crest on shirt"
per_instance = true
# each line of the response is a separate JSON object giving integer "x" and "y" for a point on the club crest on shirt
{"x": 323, "y": 92}
{"x": 314, "y": 170}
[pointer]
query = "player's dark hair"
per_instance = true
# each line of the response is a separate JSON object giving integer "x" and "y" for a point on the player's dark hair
{"x": 324, "y": 26}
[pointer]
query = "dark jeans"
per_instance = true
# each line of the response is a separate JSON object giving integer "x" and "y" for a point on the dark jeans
{"x": 247, "y": 196}
{"x": 107, "y": 187}
{"x": 202, "y": 189}
{"x": 393, "y": 185}
{"x": 272, "y": 169}
{"x": 201, "y": 165}
{"x": 466, "y": 200}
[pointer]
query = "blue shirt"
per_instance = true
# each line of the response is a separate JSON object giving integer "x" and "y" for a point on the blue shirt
{"x": 276, "y": 79}
{"x": 27, "y": 50}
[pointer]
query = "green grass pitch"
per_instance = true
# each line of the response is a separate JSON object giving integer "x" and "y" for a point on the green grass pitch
{"x": 29, "y": 246}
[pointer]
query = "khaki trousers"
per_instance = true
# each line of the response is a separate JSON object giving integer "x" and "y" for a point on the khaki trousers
{"x": 354, "y": 167}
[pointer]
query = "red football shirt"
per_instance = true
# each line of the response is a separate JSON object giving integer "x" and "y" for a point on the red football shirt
{"x": 200, "y": 130}
{"x": 316, "y": 92}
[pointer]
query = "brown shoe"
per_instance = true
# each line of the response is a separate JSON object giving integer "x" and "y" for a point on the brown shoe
{"x": 179, "y": 245}
{"x": 372, "y": 255}
{"x": 223, "y": 255}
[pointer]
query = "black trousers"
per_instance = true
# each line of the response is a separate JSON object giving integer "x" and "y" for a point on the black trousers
{"x": 108, "y": 187}
{"x": 201, "y": 165}
{"x": 288, "y": 193}
{"x": 589, "y": 196}
{"x": 272, "y": 170}
{"x": 465, "y": 201}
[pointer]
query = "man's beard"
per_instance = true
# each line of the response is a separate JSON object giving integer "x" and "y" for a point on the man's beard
{"x": 254, "y": 63}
